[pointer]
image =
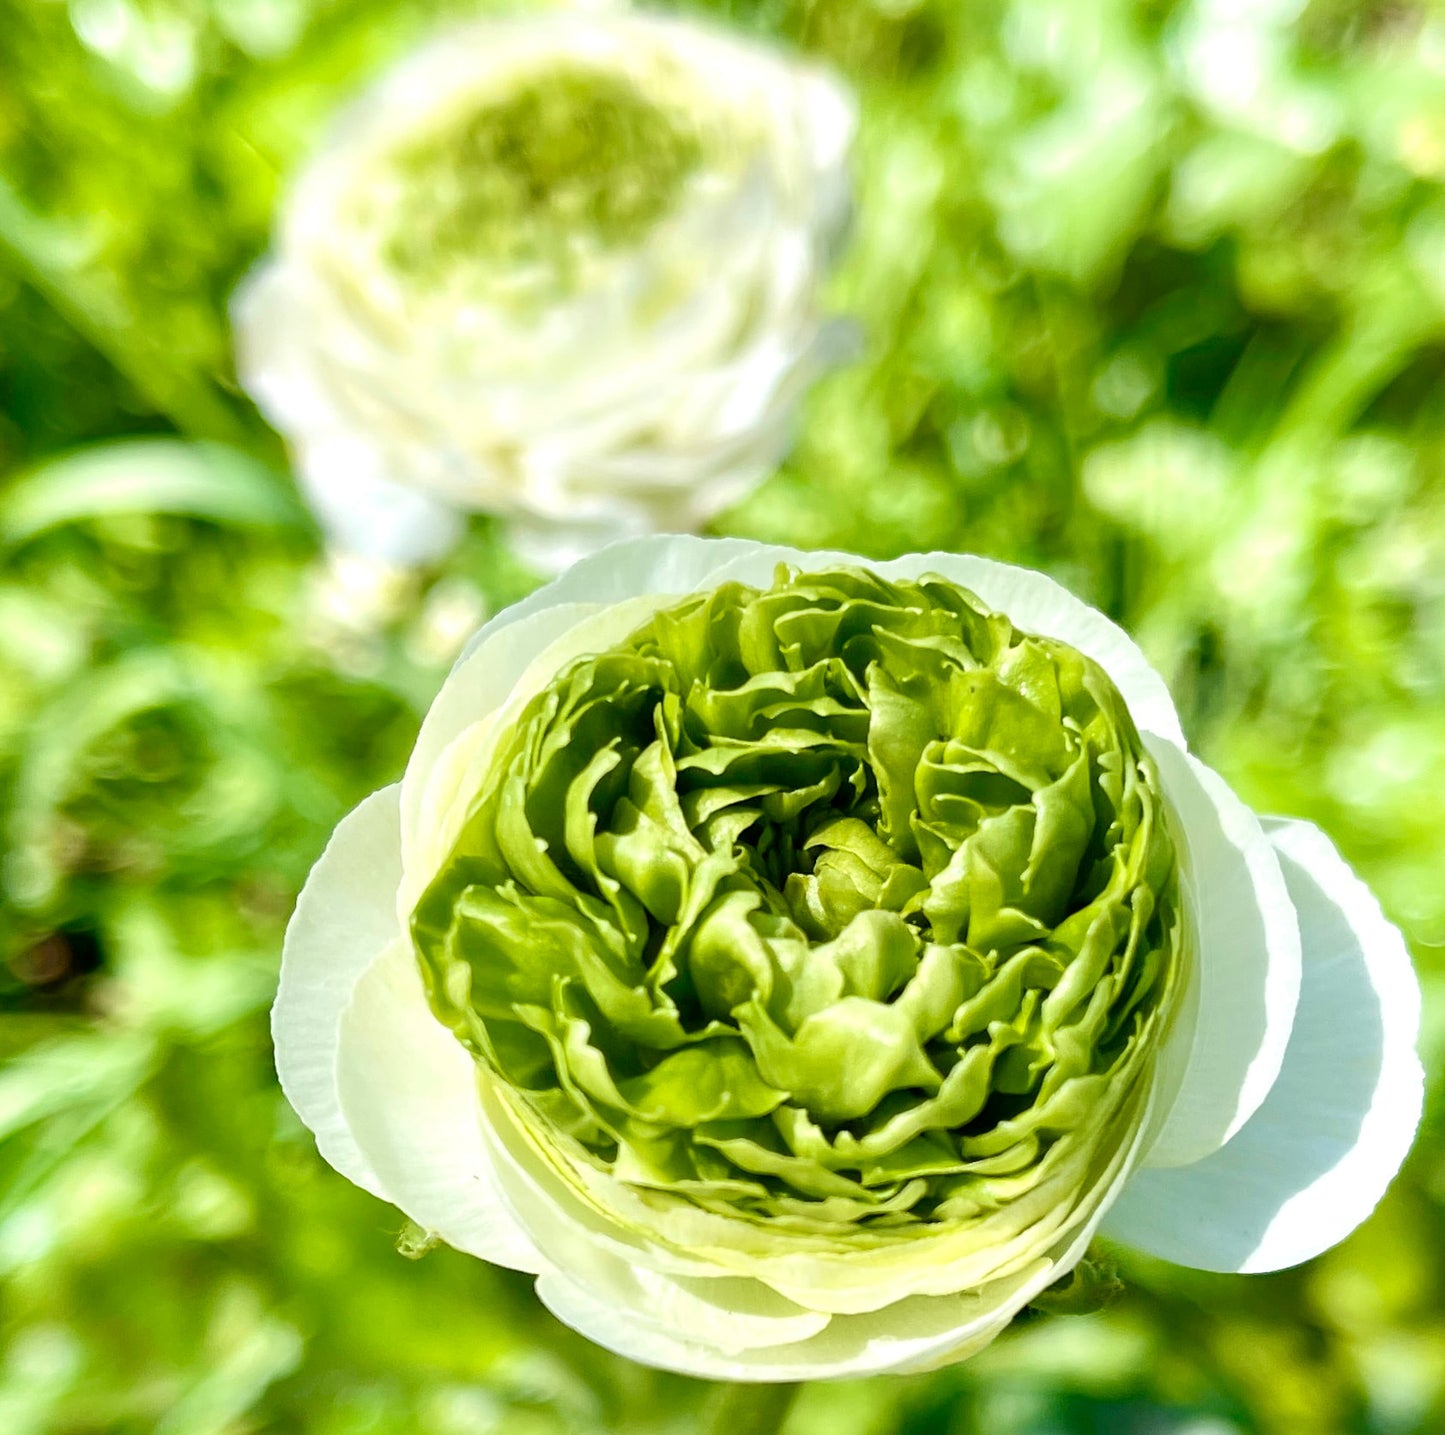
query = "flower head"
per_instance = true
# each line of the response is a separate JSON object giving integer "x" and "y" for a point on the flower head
{"x": 562, "y": 268}
{"x": 838, "y": 905}
{"x": 795, "y": 962}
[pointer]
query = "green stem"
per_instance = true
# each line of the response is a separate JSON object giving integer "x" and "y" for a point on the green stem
{"x": 749, "y": 1409}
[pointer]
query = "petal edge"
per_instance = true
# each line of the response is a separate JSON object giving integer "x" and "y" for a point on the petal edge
{"x": 344, "y": 917}
{"x": 1318, "y": 1155}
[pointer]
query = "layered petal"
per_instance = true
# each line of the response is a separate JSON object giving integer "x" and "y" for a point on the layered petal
{"x": 597, "y": 339}
{"x": 1317, "y": 1155}
{"x": 1226, "y": 1049}
{"x": 345, "y": 918}
{"x": 408, "y": 1094}
{"x": 913, "y": 1334}
{"x": 794, "y": 967}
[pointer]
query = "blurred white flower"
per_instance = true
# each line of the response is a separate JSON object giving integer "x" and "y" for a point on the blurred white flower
{"x": 562, "y": 268}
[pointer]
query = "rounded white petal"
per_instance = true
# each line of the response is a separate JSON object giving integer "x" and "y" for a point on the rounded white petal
{"x": 1317, "y": 1156}
{"x": 479, "y": 683}
{"x": 345, "y": 917}
{"x": 677, "y": 563}
{"x": 730, "y": 1317}
{"x": 345, "y": 477}
{"x": 1223, "y": 1054}
{"x": 408, "y": 1092}
{"x": 914, "y": 1334}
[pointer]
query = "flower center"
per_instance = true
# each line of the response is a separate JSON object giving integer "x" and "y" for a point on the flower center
{"x": 519, "y": 191}
{"x": 839, "y": 904}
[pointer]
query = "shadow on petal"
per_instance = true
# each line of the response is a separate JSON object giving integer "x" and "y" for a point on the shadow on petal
{"x": 408, "y": 1090}
{"x": 345, "y": 916}
{"x": 1221, "y": 1063}
{"x": 1314, "y": 1160}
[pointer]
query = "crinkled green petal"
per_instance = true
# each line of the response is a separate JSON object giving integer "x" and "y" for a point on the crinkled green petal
{"x": 843, "y": 908}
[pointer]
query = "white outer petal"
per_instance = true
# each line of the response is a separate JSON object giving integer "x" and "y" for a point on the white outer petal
{"x": 662, "y": 563}
{"x": 479, "y": 684}
{"x": 345, "y": 917}
{"x": 348, "y": 481}
{"x": 1244, "y": 970}
{"x": 914, "y": 1334}
{"x": 1317, "y": 1156}
{"x": 362, "y": 511}
{"x": 674, "y": 563}
{"x": 408, "y": 1092}
{"x": 361, "y": 1056}
{"x": 734, "y": 1319}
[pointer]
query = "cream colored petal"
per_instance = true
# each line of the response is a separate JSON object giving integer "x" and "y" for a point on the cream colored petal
{"x": 904, "y": 1336}
{"x": 480, "y": 683}
{"x": 730, "y": 1316}
{"x": 362, "y": 511}
{"x": 1244, "y": 965}
{"x": 408, "y": 1091}
{"x": 348, "y": 479}
{"x": 912, "y": 1334}
{"x": 1316, "y": 1157}
{"x": 345, "y": 916}
{"x": 663, "y": 563}
{"x": 916, "y": 1333}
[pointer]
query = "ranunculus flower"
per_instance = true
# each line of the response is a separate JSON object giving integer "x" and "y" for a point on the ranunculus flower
{"x": 794, "y": 961}
{"x": 563, "y": 268}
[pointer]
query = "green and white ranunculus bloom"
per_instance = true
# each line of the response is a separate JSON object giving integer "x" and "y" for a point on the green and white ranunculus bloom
{"x": 795, "y": 961}
{"x": 564, "y": 268}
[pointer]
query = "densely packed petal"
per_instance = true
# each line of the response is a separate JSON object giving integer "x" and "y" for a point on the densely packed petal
{"x": 794, "y": 961}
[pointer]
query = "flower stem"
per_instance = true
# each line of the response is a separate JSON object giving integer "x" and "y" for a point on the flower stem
{"x": 749, "y": 1409}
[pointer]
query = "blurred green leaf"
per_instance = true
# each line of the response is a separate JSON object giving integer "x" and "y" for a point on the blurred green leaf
{"x": 197, "y": 480}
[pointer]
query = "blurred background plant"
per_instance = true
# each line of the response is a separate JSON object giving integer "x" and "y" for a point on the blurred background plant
{"x": 1154, "y": 297}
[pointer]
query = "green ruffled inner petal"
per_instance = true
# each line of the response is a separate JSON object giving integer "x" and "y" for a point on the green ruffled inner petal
{"x": 844, "y": 907}
{"x": 506, "y": 197}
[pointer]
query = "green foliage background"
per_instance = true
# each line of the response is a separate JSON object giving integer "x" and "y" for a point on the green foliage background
{"x": 1154, "y": 298}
